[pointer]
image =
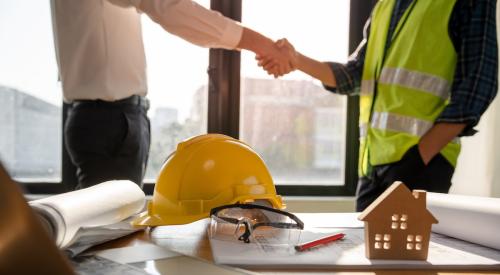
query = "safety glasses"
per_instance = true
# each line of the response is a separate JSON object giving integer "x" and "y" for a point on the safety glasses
{"x": 247, "y": 221}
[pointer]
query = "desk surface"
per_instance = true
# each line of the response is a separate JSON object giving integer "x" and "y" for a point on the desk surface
{"x": 192, "y": 240}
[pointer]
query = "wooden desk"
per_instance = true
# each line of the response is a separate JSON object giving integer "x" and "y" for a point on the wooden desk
{"x": 192, "y": 240}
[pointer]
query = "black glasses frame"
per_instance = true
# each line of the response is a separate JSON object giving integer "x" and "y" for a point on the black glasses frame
{"x": 245, "y": 237}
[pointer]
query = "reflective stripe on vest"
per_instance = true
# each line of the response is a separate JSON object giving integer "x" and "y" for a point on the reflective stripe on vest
{"x": 398, "y": 123}
{"x": 410, "y": 79}
{"x": 367, "y": 87}
{"x": 416, "y": 80}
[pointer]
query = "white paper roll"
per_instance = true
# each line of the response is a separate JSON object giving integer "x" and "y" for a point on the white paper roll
{"x": 469, "y": 218}
{"x": 102, "y": 204}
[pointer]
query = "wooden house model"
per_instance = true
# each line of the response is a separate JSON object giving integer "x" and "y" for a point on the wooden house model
{"x": 398, "y": 225}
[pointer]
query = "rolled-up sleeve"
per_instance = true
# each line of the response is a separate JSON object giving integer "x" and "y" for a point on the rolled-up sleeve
{"x": 475, "y": 82}
{"x": 348, "y": 76}
{"x": 191, "y": 21}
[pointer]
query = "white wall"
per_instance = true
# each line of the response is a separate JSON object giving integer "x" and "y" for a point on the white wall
{"x": 478, "y": 169}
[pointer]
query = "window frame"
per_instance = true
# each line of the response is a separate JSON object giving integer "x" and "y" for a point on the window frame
{"x": 224, "y": 111}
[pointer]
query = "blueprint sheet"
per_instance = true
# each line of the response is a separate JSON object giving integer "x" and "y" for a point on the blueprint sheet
{"x": 348, "y": 253}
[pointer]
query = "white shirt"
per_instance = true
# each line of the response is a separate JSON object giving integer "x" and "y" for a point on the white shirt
{"x": 99, "y": 45}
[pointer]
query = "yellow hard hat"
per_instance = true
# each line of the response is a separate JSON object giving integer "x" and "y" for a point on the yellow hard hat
{"x": 204, "y": 172}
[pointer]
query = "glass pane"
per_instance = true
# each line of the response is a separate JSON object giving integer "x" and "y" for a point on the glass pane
{"x": 31, "y": 97}
{"x": 297, "y": 126}
{"x": 177, "y": 89}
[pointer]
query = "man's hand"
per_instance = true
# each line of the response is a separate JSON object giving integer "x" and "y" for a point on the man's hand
{"x": 281, "y": 62}
{"x": 265, "y": 48}
{"x": 436, "y": 139}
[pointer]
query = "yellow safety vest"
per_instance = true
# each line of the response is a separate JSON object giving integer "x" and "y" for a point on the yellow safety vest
{"x": 405, "y": 89}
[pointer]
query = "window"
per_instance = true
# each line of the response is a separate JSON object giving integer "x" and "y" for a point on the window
{"x": 399, "y": 221}
{"x": 384, "y": 242}
{"x": 177, "y": 89}
{"x": 293, "y": 122}
{"x": 30, "y": 93}
{"x": 309, "y": 143}
{"x": 414, "y": 242}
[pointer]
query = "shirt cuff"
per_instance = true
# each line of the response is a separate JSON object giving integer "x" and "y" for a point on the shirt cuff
{"x": 345, "y": 83}
{"x": 470, "y": 122}
{"x": 232, "y": 34}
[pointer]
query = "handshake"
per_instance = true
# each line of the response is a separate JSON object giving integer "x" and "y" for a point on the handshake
{"x": 279, "y": 58}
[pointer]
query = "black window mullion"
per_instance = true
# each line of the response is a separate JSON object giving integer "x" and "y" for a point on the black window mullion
{"x": 360, "y": 11}
{"x": 224, "y": 79}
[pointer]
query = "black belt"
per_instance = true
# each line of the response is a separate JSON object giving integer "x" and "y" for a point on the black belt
{"x": 131, "y": 100}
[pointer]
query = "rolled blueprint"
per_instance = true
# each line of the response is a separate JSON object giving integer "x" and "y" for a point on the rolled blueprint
{"x": 469, "y": 218}
{"x": 103, "y": 204}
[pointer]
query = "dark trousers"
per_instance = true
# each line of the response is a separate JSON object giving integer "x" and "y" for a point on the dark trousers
{"x": 108, "y": 140}
{"x": 411, "y": 170}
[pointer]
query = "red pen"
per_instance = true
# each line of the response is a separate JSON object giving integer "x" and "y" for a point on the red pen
{"x": 318, "y": 242}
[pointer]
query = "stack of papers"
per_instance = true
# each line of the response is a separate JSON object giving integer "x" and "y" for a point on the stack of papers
{"x": 79, "y": 219}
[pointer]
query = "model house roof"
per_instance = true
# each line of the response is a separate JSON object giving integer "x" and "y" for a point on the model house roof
{"x": 399, "y": 199}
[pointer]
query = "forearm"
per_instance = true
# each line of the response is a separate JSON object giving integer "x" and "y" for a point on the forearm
{"x": 437, "y": 138}
{"x": 255, "y": 42}
{"x": 316, "y": 69}
{"x": 193, "y": 22}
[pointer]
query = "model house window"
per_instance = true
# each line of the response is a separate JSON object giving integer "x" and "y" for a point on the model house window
{"x": 382, "y": 241}
{"x": 399, "y": 221}
{"x": 30, "y": 94}
{"x": 414, "y": 242}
